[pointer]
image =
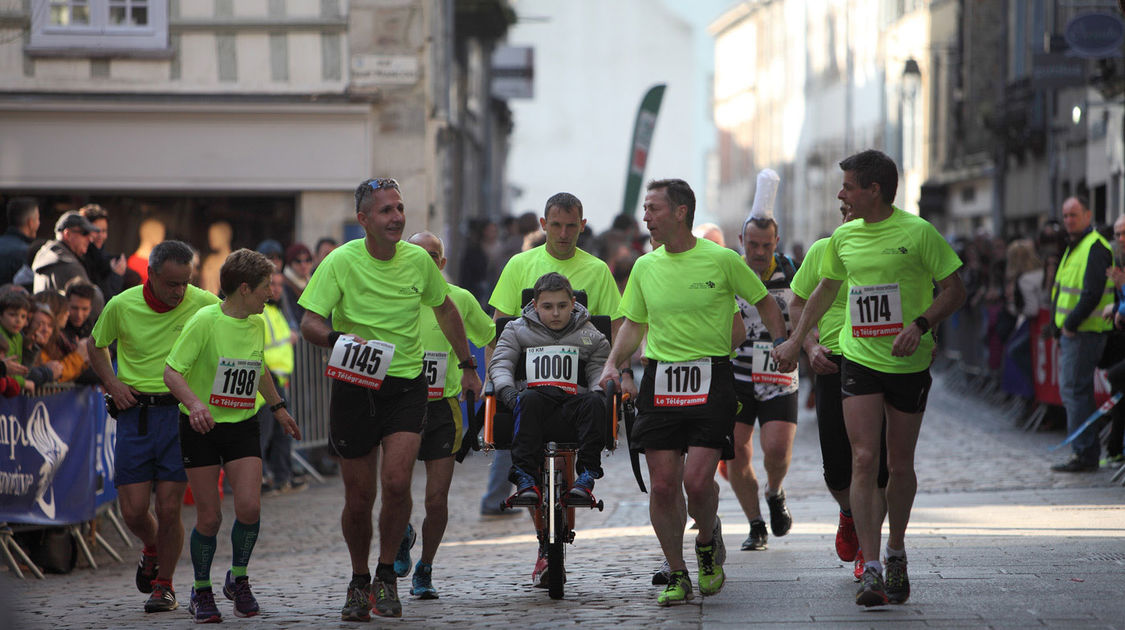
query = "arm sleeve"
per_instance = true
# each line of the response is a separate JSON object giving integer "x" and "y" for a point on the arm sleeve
{"x": 1093, "y": 285}
{"x": 72, "y": 367}
{"x": 187, "y": 346}
{"x": 632, "y": 305}
{"x": 608, "y": 299}
{"x": 105, "y": 328}
{"x": 479, "y": 327}
{"x": 502, "y": 367}
{"x": 322, "y": 293}
{"x": 596, "y": 363}
{"x": 746, "y": 283}
{"x": 506, "y": 296}
{"x": 436, "y": 287}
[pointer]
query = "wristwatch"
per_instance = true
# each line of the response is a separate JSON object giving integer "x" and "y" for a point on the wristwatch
{"x": 278, "y": 405}
{"x": 777, "y": 342}
{"x": 468, "y": 364}
{"x": 922, "y": 323}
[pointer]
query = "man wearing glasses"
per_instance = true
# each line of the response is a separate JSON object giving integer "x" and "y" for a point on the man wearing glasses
{"x": 374, "y": 289}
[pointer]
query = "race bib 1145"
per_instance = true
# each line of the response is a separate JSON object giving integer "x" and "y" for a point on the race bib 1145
{"x": 363, "y": 364}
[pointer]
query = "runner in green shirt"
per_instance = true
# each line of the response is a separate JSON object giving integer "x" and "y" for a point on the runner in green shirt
{"x": 443, "y": 434}
{"x": 822, "y": 346}
{"x": 374, "y": 289}
{"x": 890, "y": 260}
{"x": 145, "y": 321}
{"x": 215, "y": 370}
{"x": 682, "y": 295}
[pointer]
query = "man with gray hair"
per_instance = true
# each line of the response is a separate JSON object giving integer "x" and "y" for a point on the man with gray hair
{"x": 145, "y": 321}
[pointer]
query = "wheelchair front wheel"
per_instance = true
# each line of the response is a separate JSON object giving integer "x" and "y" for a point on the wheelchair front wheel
{"x": 556, "y": 573}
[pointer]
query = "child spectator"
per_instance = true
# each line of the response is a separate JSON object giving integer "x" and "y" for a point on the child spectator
{"x": 43, "y": 352}
{"x": 13, "y": 317}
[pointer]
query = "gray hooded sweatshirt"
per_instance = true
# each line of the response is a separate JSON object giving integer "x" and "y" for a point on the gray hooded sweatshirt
{"x": 529, "y": 332}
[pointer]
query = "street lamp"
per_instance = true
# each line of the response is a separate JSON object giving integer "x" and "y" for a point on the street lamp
{"x": 911, "y": 80}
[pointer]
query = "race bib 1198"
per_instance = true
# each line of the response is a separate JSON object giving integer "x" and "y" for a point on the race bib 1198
{"x": 236, "y": 383}
{"x": 363, "y": 364}
{"x": 876, "y": 310}
{"x": 682, "y": 384}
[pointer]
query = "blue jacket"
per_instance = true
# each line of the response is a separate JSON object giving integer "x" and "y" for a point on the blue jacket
{"x": 13, "y": 253}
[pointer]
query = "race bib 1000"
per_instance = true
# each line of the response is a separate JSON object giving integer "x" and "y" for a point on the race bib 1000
{"x": 683, "y": 384}
{"x": 362, "y": 364}
{"x": 236, "y": 383}
{"x": 434, "y": 365}
{"x": 555, "y": 366}
{"x": 876, "y": 310}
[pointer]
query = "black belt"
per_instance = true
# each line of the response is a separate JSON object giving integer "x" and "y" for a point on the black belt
{"x": 144, "y": 401}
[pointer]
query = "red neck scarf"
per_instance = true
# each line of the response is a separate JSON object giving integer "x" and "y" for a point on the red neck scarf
{"x": 154, "y": 302}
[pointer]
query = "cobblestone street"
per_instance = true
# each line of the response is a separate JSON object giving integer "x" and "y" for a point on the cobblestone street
{"x": 996, "y": 540}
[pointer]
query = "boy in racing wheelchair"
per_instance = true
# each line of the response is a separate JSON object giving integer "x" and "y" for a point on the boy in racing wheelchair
{"x": 554, "y": 339}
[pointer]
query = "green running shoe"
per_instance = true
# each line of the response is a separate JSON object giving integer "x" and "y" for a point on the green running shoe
{"x": 711, "y": 576}
{"x": 678, "y": 591}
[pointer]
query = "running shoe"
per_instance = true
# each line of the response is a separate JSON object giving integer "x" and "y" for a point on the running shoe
{"x": 384, "y": 597}
{"x": 539, "y": 573}
{"x": 1112, "y": 460}
{"x": 678, "y": 591}
{"x": 582, "y": 492}
{"x": 662, "y": 575}
{"x": 858, "y": 570}
{"x": 163, "y": 598}
{"x": 717, "y": 540}
{"x": 897, "y": 582}
{"x": 871, "y": 590}
{"x": 237, "y": 589}
{"x": 711, "y": 575}
{"x": 202, "y": 607}
{"x": 402, "y": 558}
{"x": 756, "y": 541}
{"x": 146, "y": 572}
{"x": 527, "y": 492}
{"x": 780, "y": 518}
{"x": 422, "y": 585}
{"x": 847, "y": 544}
{"x": 357, "y": 607}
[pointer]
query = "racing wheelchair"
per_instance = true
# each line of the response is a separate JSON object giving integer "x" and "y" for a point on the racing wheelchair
{"x": 554, "y": 514}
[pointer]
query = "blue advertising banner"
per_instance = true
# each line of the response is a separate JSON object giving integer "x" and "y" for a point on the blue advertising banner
{"x": 56, "y": 457}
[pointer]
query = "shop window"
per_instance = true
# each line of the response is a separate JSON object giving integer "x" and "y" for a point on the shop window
{"x": 98, "y": 26}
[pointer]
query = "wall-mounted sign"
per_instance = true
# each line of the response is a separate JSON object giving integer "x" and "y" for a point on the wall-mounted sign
{"x": 1051, "y": 71}
{"x": 1095, "y": 35}
{"x": 513, "y": 72}
{"x": 385, "y": 69}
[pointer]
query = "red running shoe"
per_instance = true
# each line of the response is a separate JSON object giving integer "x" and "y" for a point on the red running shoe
{"x": 858, "y": 571}
{"x": 846, "y": 542}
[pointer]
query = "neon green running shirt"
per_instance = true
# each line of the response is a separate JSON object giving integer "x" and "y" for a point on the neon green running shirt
{"x": 902, "y": 254}
{"x": 220, "y": 357}
{"x": 144, "y": 337}
{"x": 804, "y": 283}
{"x": 687, "y": 300}
{"x": 585, "y": 272}
{"x": 378, "y": 299}
{"x": 479, "y": 328}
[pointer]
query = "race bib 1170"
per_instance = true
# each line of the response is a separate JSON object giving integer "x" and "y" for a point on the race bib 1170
{"x": 682, "y": 384}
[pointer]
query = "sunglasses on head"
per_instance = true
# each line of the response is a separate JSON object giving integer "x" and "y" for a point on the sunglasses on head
{"x": 380, "y": 183}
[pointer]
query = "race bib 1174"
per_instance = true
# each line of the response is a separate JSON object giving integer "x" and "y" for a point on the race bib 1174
{"x": 363, "y": 364}
{"x": 876, "y": 310}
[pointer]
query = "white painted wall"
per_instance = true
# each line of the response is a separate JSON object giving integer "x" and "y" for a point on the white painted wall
{"x": 593, "y": 63}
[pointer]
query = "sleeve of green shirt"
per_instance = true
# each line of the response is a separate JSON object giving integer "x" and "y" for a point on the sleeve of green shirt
{"x": 506, "y": 296}
{"x": 804, "y": 283}
{"x": 436, "y": 287}
{"x": 937, "y": 254}
{"x": 745, "y": 282}
{"x": 831, "y": 266}
{"x": 322, "y": 293}
{"x": 608, "y": 298}
{"x": 632, "y": 304}
{"x": 187, "y": 346}
{"x": 479, "y": 327}
{"x": 105, "y": 329}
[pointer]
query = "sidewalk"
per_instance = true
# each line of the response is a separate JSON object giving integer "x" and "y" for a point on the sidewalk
{"x": 996, "y": 541}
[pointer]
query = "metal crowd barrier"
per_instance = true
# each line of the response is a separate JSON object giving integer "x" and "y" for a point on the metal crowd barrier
{"x": 308, "y": 398}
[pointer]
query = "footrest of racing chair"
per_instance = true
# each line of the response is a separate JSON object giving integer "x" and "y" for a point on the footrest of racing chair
{"x": 574, "y": 500}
